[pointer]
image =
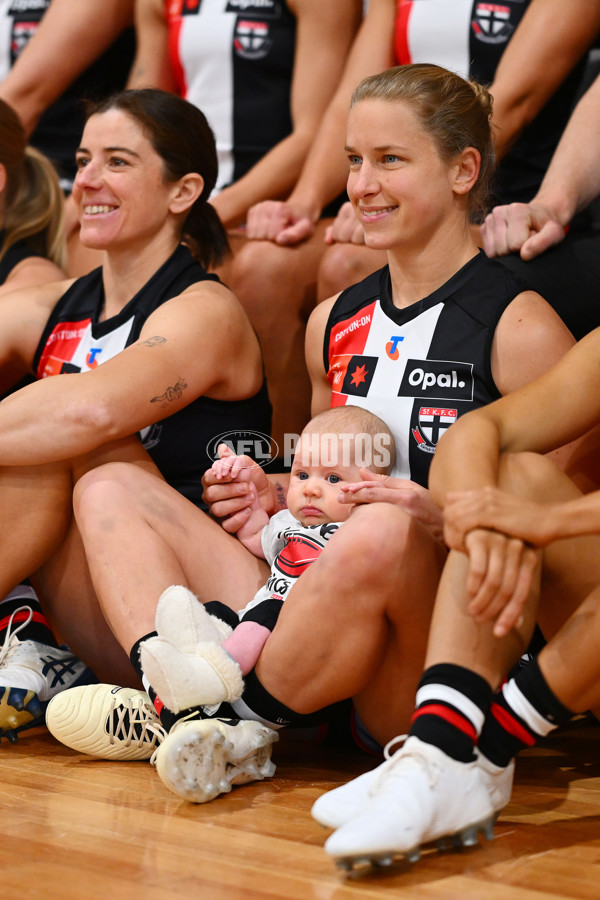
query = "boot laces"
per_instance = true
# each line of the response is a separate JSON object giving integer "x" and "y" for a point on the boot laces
{"x": 160, "y": 732}
{"x": 10, "y": 639}
{"x": 387, "y": 750}
{"x": 132, "y": 721}
{"x": 396, "y": 760}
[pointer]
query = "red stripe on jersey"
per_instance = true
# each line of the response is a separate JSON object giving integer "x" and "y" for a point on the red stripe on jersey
{"x": 61, "y": 346}
{"x": 449, "y": 715}
{"x": 22, "y": 617}
{"x": 510, "y": 724}
{"x": 401, "y": 46}
{"x": 349, "y": 337}
{"x": 174, "y": 25}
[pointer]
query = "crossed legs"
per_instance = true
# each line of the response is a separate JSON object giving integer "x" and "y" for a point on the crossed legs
{"x": 356, "y": 625}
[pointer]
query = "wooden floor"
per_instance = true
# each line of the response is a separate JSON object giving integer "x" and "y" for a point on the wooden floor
{"x": 78, "y": 829}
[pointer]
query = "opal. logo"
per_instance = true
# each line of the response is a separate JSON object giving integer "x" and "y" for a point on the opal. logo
{"x": 437, "y": 379}
{"x": 259, "y": 446}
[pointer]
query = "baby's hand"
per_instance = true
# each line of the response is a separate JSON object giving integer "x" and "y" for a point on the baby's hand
{"x": 231, "y": 467}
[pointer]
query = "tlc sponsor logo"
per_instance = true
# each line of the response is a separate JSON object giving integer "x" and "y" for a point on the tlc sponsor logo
{"x": 91, "y": 359}
{"x": 391, "y": 348}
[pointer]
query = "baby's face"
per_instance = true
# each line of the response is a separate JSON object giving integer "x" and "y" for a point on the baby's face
{"x": 316, "y": 478}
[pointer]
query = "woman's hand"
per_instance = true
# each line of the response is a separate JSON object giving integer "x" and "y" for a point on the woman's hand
{"x": 345, "y": 228}
{"x": 496, "y": 510}
{"x": 282, "y": 223}
{"x": 501, "y": 574}
{"x": 528, "y": 228}
{"x": 231, "y": 487}
{"x": 496, "y": 530}
{"x": 413, "y": 498}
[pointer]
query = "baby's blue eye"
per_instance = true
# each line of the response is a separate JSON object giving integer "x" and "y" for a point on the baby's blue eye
{"x": 333, "y": 479}
{"x": 302, "y": 476}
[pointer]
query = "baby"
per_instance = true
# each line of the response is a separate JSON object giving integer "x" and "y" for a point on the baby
{"x": 330, "y": 453}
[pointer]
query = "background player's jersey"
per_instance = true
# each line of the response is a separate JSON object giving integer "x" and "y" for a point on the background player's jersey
{"x": 469, "y": 37}
{"x": 234, "y": 60}
{"x": 58, "y": 133}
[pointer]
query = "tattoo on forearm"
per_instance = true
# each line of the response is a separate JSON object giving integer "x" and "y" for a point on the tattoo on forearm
{"x": 156, "y": 341}
{"x": 280, "y": 501}
{"x": 171, "y": 393}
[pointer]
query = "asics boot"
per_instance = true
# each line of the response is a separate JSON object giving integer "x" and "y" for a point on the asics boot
{"x": 31, "y": 674}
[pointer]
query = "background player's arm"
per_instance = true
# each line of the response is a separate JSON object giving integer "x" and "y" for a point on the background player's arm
{"x": 70, "y": 37}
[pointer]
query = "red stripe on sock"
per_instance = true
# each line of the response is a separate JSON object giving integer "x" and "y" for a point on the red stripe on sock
{"x": 449, "y": 715}
{"x": 22, "y": 617}
{"x": 158, "y": 705}
{"x": 510, "y": 724}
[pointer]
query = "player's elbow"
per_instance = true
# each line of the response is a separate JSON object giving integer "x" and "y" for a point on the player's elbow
{"x": 93, "y": 421}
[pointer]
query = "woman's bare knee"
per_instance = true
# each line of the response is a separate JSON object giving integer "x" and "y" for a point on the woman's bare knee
{"x": 534, "y": 476}
{"x": 377, "y": 546}
{"x": 102, "y": 487}
{"x": 343, "y": 265}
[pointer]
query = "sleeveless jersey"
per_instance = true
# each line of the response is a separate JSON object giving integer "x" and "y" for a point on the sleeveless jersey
{"x": 59, "y": 129}
{"x": 469, "y": 37}
{"x": 421, "y": 367}
{"x": 75, "y": 340}
{"x": 234, "y": 60}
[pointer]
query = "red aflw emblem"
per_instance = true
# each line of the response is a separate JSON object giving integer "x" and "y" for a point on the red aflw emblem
{"x": 297, "y": 556}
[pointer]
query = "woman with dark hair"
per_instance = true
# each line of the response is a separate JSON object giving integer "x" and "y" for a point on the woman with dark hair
{"x": 263, "y": 73}
{"x": 182, "y": 139}
{"x": 170, "y": 362}
{"x": 32, "y": 241}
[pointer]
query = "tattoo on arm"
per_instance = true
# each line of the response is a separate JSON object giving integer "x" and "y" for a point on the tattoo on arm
{"x": 172, "y": 393}
{"x": 156, "y": 341}
{"x": 280, "y": 496}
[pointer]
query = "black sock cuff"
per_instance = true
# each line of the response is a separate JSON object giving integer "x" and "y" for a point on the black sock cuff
{"x": 222, "y": 612}
{"x": 263, "y": 703}
{"x": 134, "y": 654}
{"x": 265, "y": 613}
{"x": 532, "y": 684}
{"x": 38, "y": 629}
{"x": 461, "y": 679}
